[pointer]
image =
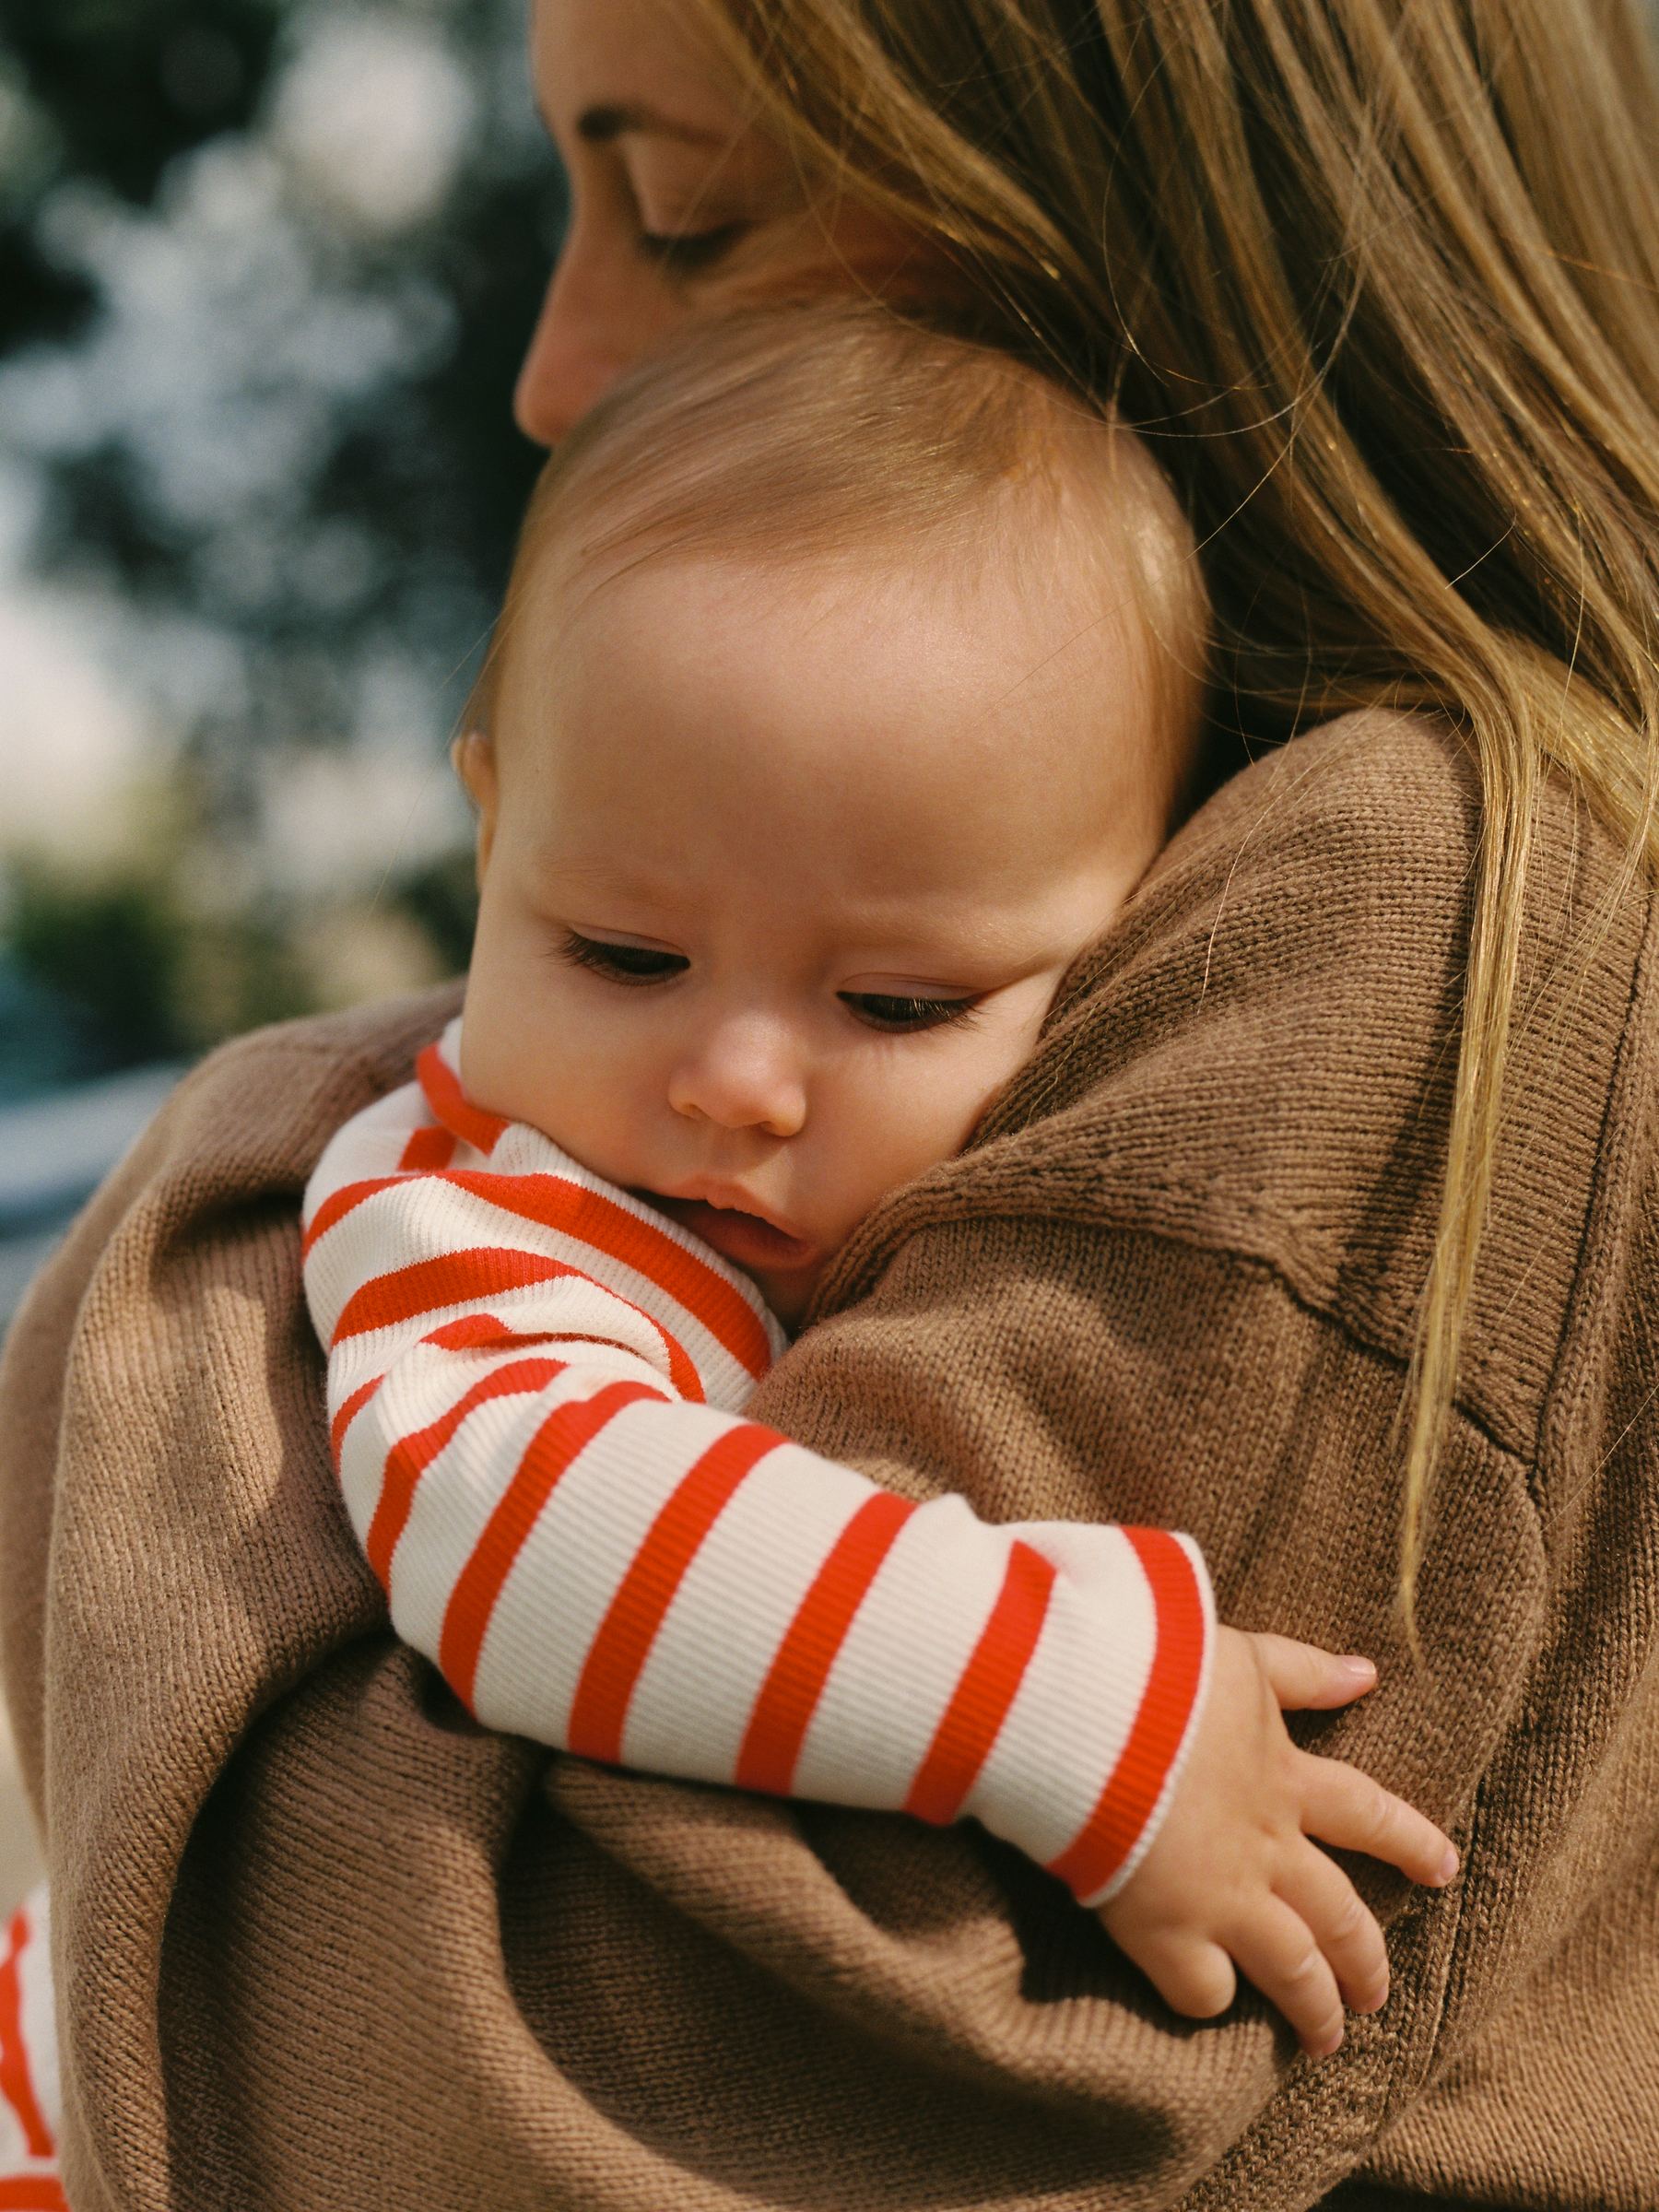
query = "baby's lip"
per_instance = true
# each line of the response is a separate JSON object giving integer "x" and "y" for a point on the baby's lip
{"x": 736, "y": 1224}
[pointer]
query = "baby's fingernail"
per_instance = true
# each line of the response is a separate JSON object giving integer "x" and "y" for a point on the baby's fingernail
{"x": 1328, "y": 2049}
{"x": 1448, "y": 1866}
{"x": 1360, "y": 1669}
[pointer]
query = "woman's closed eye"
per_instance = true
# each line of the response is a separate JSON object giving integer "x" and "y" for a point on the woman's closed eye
{"x": 689, "y": 253}
{"x": 621, "y": 963}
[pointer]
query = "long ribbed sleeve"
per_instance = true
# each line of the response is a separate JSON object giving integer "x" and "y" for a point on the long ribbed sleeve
{"x": 535, "y": 1394}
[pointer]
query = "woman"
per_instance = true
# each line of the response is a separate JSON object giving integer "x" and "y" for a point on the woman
{"x": 1350, "y": 1115}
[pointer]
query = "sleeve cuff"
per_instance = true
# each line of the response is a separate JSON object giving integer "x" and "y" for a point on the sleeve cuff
{"x": 1137, "y": 1794}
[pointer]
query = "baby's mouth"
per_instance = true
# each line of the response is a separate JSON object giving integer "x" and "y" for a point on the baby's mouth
{"x": 747, "y": 1240}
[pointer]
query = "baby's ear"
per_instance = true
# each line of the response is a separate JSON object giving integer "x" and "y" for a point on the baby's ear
{"x": 472, "y": 756}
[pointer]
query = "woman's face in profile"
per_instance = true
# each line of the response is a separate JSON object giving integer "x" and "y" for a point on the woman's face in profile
{"x": 677, "y": 202}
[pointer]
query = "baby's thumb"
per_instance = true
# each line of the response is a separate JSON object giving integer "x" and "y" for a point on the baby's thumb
{"x": 1304, "y": 1677}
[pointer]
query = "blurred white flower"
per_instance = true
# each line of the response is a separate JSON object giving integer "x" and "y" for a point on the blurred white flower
{"x": 74, "y": 739}
{"x": 29, "y": 139}
{"x": 373, "y": 114}
{"x": 339, "y": 819}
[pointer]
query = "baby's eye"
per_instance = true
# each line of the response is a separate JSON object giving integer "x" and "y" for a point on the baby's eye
{"x": 621, "y": 963}
{"x": 882, "y": 1012}
{"x": 689, "y": 252}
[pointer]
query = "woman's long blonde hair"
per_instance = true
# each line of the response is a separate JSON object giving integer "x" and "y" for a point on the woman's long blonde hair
{"x": 1380, "y": 278}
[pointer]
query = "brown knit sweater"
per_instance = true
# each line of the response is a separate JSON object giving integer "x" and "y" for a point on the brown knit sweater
{"x": 323, "y": 1943}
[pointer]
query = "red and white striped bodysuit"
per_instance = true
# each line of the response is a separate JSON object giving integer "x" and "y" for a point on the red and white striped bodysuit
{"x": 535, "y": 1386}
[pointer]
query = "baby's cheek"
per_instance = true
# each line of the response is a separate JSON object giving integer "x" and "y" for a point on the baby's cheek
{"x": 498, "y": 1062}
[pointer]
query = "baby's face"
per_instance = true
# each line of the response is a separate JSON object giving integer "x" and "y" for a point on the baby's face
{"x": 779, "y": 876}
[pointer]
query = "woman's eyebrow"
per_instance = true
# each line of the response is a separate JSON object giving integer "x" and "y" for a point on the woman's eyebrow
{"x": 616, "y": 119}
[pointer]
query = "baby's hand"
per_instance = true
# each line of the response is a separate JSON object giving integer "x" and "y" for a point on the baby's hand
{"x": 1232, "y": 1879}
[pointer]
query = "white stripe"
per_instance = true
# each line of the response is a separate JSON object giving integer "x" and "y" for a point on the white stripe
{"x": 698, "y": 1687}
{"x": 453, "y": 1501}
{"x": 425, "y": 1386}
{"x": 565, "y": 1577}
{"x": 600, "y": 1329}
{"x": 38, "y": 2030}
{"x": 903, "y": 1655}
{"x": 425, "y": 1218}
{"x": 1071, "y": 1718}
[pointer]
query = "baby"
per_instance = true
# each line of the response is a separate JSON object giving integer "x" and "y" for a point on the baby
{"x": 849, "y": 679}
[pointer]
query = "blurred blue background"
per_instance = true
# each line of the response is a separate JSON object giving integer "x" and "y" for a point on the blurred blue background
{"x": 266, "y": 269}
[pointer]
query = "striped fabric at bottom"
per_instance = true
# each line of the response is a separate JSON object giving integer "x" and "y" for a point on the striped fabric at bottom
{"x": 29, "y": 2067}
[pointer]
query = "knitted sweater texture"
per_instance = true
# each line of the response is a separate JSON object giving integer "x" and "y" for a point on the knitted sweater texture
{"x": 322, "y": 1941}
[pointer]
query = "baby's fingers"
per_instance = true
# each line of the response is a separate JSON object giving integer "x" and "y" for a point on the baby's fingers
{"x": 1193, "y": 1976}
{"x": 1342, "y": 1805}
{"x": 1305, "y": 1678}
{"x": 1276, "y": 1949}
{"x": 1321, "y": 1895}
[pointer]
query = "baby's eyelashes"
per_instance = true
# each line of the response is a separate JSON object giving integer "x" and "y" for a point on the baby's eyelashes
{"x": 621, "y": 963}
{"x": 883, "y": 1010}
{"x": 899, "y": 1013}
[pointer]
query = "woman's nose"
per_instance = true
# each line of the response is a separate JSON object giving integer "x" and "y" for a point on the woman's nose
{"x": 601, "y": 311}
{"x": 742, "y": 1076}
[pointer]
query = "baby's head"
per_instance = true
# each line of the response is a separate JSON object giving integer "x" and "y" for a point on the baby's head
{"x": 847, "y": 680}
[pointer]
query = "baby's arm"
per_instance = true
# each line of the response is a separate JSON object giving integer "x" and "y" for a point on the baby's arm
{"x": 533, "y": 1392}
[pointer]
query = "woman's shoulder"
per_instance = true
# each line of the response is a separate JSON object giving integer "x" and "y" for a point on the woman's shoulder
{"x": 1259, "y": 1059}
{"x": 244, "y": 1128}
{"x": 261, "y": 1106}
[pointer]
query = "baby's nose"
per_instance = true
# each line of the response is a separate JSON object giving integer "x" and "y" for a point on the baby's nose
{"x": 743, "y": 1075}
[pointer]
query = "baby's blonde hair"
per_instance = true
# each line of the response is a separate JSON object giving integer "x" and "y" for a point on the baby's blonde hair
{"x": 808, "y": 436}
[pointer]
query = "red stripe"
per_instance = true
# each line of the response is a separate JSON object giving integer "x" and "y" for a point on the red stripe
{"x": 452, "y": 1106}
{"x": 411, "y": 1456}
{"x": 987, "y": 1687}
{"x": 594, "y": 1219}
{"x": 623, "y": 1643}
{"x": 801, "y": 1665}
{"x": 15, "y": 2084}
{"x": 1137, "y": 1782}
{"x": 348, "y": 1413}
{"x": 340, "y": 1202}
{"x": 452, "y": 1279}
{"x": 565, "y": 1433}
{"x": 471, "y": 1332}
{"x": 32, "y": 2193}
{"x": 427, "y": 1150}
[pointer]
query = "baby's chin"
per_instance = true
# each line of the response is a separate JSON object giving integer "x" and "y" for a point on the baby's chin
{"x": 789, "y": 1293}
{"x": 784, "y": 1267}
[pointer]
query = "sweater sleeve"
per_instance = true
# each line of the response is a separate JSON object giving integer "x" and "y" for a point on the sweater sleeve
{"x": 535, "y": 1386}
